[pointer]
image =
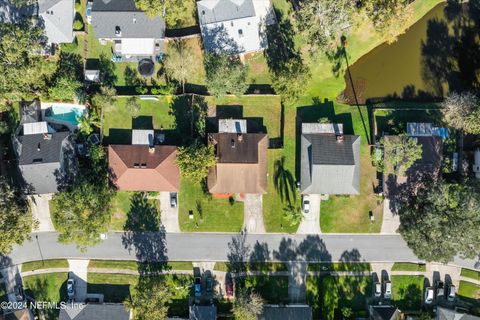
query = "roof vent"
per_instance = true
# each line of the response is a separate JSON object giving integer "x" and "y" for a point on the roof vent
{"x": 134, "y": 20}
{"x": 38, "y": 147}
{"x": 47, "y": 136}
{"x": 340, "y": 138}
{"x": 143, "y": 166}
{"x": 203, "y": 12}
{"x": 240, "y": 137}
{"x": 118, "y": 31}
{"x": 37, "y": 160}
{"x": 151, "y": 149}
{"x": 136, "y": 165}
{"x": 232, "y": 143}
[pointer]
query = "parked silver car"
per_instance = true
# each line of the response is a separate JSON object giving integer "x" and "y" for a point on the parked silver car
{"x": 429, "y": 295}
{"x": 451, "y": 293}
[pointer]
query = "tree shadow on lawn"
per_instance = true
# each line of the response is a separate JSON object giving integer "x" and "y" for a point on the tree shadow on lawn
{"x": 145, "y": 234}
{"x": 40, "y": 294}
{"x": 254, "y": 124}
{"x": 411, "y": 298}
{"x": 189, "y": 113}
{"x": 284, "y": 182}
{"x": 314, "y": 113}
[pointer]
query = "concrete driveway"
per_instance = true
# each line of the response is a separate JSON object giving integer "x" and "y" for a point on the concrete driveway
{"x": 253, "y": 213}
{"x": 78, "y": 270}
{"x": 391, "y": 220}
{"x": 311, "y": 221}
{"x": 41, "y": 211}
{"x": 169, "y": 215}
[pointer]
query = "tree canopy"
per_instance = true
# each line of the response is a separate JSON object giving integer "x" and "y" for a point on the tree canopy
{"x": 82, "y": 213}
{"x": 150, "y": 299}
{"x": 16, "y": 221}
{"x": 225, "y": 74}
{"x": 462, "y": 111}
{"x": 196, "y": 160}
{"x": 247, "y": 305}
{"x": 64, "y": 88}
{"x": 400, "y": 153}
{"x": 442, "y": 220}
{"x": 179, "y": 61}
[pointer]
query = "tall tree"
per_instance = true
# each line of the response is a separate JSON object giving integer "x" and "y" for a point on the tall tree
{"x": 173, "y": 11}
{"x": 247, "y": 305}
{"x": 133, "y": 106}
{"x": 103, "y": 101}
{"x": 196, "y": 160}
{"x": 24, "y": 73}
{"x": 400, "y": 153}
{"x": 152, "y": 8}
{"x": 225, "y": 74}
{"x": 64, "y": 88}
{"x": 179, "y": 61}
{"x": 389, "y": 17}
{"x": 82, "y": 213}
{"x": 290, "y": 80}
{"x": 150, "y": 299}
{"x": 16, "y": 221}
{"x": 442, "y": 221}
{"x": 322, "y": 22}
{"x": 462, "y": 111}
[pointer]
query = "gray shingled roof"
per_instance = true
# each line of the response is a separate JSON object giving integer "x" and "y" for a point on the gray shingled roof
{"x": 107, "y": 15}
{"x": 57, "y": 18}
{"x": 203, "y": 312}
{"x": 45, "y": 164}
{"x": 95, "y": 312}
{"x": 289, "y": 312}
{"x": 211, "y": 11}
{"x": 384, "y": 312}
{"x": 448, "y": 314}
{"x": 329, "y": 166}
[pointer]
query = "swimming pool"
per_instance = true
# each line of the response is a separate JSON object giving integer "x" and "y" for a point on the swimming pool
{"x": 63, "y": 113}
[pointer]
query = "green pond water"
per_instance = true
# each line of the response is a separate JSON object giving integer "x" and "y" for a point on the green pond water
{"x": 439, "y": 53}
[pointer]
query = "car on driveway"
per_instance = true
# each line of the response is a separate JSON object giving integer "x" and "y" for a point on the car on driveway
{"x": 198, "y": 286}
{"x": 173, "y": 199}
{"x": 70, "y": 288}
{"x": 440, "y": 289}
{"x": 451, "y": 293}
{"x": 88, "y": 11}
{"x": 306, "y": 204}
{"x": 209, "y": 286}
{"x": 229, "y": 287}
{"x": 377, "y": 289}
{"x": 387, "y": 289}
{"x": 429, "y": 294}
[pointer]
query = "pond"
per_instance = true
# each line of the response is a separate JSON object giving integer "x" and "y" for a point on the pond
{"x": 437, "y": 54}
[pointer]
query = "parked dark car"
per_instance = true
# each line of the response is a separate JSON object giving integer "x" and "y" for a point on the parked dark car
{"x": 229, "y": 287}
{"x": 173, "y": 199}
{"x": 209, "y": 286}
{"x": 71, "y": 288}
{"x": 198, "y": 286}
{"x": 440, "y": 289}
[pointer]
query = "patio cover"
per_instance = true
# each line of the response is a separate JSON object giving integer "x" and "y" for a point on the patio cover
{"x": 140, "y": 46}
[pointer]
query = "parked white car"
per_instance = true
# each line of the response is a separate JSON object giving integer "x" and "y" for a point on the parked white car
{"x": 387, "y": 294}
{"x": 377, "y": 290}
{"x": 429, "y": 294}
{"x": 306, "y": 204}
{"x": 451, "y": 293}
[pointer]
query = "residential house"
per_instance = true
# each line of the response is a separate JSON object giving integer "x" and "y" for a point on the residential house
{"x": 22, "y": 314}
{"x": 143, "y": 165}
{"x": 286, "y": 312}
{"x": 330, "y": 160}
{"x": 203, "y": 312}
{"x": 384, "y": 312}
{"x": 132, "y": 32}
{"x": 449, "y": 314}
{"x": 235, "y": 26}
{"x": 242, "y": 160}
{"x": 47, "y": 159}
{"x": 94, "y": 311}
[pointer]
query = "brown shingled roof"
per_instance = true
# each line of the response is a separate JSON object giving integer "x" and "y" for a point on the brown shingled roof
{"x": 135, "y": 168}
{"x": 242, "y": 163}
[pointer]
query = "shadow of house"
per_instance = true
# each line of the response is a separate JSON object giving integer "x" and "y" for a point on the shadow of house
{"x": 254, "y": 124}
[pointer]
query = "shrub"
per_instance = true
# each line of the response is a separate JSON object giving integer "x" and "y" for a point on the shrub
{"x": 78, "y": 6}
{"x": 78, "y": 25}
{"x": 141, "y": 90}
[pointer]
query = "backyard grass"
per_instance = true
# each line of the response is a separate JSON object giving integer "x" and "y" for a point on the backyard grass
{"x": 407, "y": 292}
{"x": 120, "y": 208}
{"x": 472, "y": 274}
{"x": 469, "y": 291}
{"x": 209, "y": 214}
{"x": 256, "y": 266}
{"x": 273, "y": 289}
{"x": 339, "y": 266}
{"x": 134, "y": 265}
{"x": 406, "y": 266}
{"x": 50, "y": 287}
{"x": 257, "y": 69}
{"x": 45, "y": 264}
{"x": 327, "y": 295}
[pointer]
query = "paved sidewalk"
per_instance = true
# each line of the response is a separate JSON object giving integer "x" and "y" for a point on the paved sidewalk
{"x": 391, "y": 221}
{"x": 311, "y": 221}
{"x": 169, "y": 215}
{"x": 41, "y": 211}
{"x": 253, "y": 213}
{"x": 78, "y": 270}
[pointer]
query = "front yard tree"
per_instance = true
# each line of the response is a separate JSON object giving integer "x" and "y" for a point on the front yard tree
{"x": 196, "y": 160}
{"x": 400, "y": 153}
{"x": 247, "y": 306}
{"x": 82, "y": 213}
{"x": 150, "y": 299}
{"x": 24, "y": 73}
{"x": 179, "y": 61}
{"x": 322, "y": 22}
{"x": 103, "y": 101}
{"x": 152, "y": 8}
{"x": 442, "y": 221}
{"x": 16, "y": 222}
{"x": 462, "y": 111}
{"x": 225, "y": 74}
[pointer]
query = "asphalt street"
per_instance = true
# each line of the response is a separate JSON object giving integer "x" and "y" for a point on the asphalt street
{"x": 224, "y": 247}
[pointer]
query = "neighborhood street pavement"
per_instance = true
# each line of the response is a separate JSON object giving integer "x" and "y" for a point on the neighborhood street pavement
{"x": 224, "y": 247}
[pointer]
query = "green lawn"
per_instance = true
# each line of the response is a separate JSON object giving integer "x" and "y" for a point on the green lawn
{"x": 45, "y": 264}
{"x": 407, "y": 292}
{"x": 469, "y": 292}
{"x": 327, "y": 295}
{"x": 260, "y": 266}
{"x": 50, "y": 287}
{"x": 120, "y": 208}
{"x": 273, "y": 289}
{"x": 406, "y": 266}
{"x": 470, "y": 274}
{"x": 134, "y": 265}
{"x": 209, "y": 214}
{"x": 258, "y": 70}
{"x": 340, "y": 266}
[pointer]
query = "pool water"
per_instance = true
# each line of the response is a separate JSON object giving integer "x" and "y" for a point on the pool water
{"x": 64, "y": 113}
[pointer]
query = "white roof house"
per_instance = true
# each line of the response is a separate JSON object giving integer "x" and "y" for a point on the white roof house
{"x": 57, "y": 16}
{"x": 235, "y": 26}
